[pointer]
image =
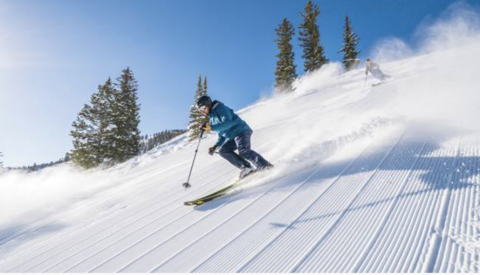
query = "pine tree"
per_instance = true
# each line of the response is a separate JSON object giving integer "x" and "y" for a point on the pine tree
{"x": 204, "y": 91}
{"x": 126, "y": 118}
{"x": 92, "y": 133}
{"x": 285, "y": 72}
{"x": 350, "y": 41}
{"x": 83, "y": 133}
{"x": 313, "y": 52}
{"x": 1, "y": 162}
{"x": 106, "y": 131}
{"x": 196, "y": 117}
{"x": 67, "y": 157}
{"x": 102, "y": 108}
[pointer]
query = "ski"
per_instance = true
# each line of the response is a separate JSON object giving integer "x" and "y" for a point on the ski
{"x": 222, "y": 192}
{"x": 213, "y": 195}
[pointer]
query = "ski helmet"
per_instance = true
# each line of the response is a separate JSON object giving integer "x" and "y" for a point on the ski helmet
{"x": 204, "y": 101}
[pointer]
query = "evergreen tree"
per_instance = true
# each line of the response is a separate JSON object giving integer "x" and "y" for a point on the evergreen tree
{"x": 350, "y": 41}
{"x": 204, "y": 91}
{"x": 103, "y": 108}
{"x": 196, "y": 117}
{"x": 67, "y": 157}
{"x": 285, "y": 72}
{"x": 93, "y": 129}
{"x": 1, "y": 162}
{"x": 107, "y": 129}
{"x": 313, "y": 52}
{"x": 125, "y": 118}
{"x": 83, "y": 133}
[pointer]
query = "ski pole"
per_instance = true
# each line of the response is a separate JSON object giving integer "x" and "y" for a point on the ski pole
{"x": 366, "y": 75}
{"x": 187, "y": 184}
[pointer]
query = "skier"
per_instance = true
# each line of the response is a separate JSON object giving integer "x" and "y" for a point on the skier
{"x": 233, "y": 134}
{"x": 374, "y": 69}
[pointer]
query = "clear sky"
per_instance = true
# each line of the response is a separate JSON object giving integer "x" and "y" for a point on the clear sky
{"x": 54, "y": 54}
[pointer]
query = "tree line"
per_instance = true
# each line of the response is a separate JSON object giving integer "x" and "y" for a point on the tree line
{"x": 37, "y": 167}
{"x": 313, "y": 51}
{"x": 147, "y": 143}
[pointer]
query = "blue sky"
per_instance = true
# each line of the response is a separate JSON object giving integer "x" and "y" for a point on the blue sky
{"x": 54, "y": 54}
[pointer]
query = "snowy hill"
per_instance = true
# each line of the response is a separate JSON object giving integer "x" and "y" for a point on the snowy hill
{"x": 367, "y": 179}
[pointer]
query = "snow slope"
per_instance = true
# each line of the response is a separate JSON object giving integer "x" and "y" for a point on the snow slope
{"x": 367, "y": 179}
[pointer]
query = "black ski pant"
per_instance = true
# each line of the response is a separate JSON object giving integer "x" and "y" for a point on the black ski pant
{"x": 242, "y": 144}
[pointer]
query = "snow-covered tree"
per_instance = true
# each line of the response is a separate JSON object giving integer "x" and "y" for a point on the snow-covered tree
{"x": 1, "y": 162}
{"x": 196, "y": 117}
{"x": 350, "y": 42}
{"x": 313, "y": 52}
{"x": 285, "y": 72}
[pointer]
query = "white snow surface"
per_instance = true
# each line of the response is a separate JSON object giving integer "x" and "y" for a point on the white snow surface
{"x": 366, "y": 179}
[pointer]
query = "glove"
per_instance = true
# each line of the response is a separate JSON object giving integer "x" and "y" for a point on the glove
{"x": 211, "y": 150}
{"x": 206, "y": 127}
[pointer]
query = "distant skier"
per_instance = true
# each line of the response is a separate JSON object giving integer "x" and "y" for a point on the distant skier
{"x": 374, "y": 69}
{"x": 233, "y": 134}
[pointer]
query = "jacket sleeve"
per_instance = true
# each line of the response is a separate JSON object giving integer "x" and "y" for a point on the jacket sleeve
{"x": 225, "y": 120}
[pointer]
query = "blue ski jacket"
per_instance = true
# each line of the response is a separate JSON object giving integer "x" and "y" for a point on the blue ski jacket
{"x": 226, "y": 123}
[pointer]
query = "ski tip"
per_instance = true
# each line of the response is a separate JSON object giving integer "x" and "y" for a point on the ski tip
{"x": 193, "y": 203}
